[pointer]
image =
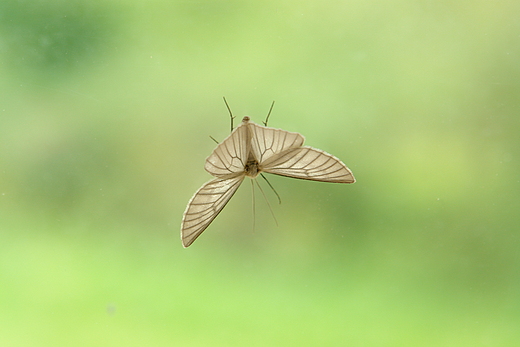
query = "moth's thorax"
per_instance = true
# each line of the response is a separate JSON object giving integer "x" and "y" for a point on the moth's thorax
{"x": 252, "y": 167}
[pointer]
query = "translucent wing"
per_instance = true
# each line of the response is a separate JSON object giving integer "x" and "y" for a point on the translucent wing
{"x": 310, "y": 164}
{"x": 205, "y": 205}
{"x": 230, "y": 156}
{"x": 268, "y": 142}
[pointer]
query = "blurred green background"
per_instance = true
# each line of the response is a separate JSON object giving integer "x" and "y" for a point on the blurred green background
{"x": 106, "y": 108}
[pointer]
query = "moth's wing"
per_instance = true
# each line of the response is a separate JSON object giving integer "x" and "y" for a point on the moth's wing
{"x": 205, "y": 205}
{"x": 267, "y": 143}
{"x": 230, "y": 156}
{"x": 310, "y": 164}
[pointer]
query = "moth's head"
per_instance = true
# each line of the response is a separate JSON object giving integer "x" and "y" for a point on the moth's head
{"x": 245, "y": 119}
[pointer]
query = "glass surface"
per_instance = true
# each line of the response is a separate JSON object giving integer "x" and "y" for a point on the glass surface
{"x": 106, "y": 108}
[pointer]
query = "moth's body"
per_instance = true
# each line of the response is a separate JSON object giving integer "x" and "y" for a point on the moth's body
{"x": 249, "y": 150}
{"x": 252, "y": 167}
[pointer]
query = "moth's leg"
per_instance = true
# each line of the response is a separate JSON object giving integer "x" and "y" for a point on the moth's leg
{"x": 268, "y": 114}
{"x": 265, "y": 198}
{"x": 230, "y": 113}
{"x": 271, "y": 186}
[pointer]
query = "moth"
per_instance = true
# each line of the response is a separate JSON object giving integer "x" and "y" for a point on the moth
{"x": 249, "y": 150}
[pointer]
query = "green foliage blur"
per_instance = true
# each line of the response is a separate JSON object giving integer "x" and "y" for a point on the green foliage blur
{"x": 106, "y": 108}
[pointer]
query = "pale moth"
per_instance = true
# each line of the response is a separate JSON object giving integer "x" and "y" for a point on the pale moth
{"x": 249, "y": 150}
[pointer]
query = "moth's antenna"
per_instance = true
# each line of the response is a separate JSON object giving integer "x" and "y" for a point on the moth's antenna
{"x": 230, "y": 113}
{"x": 271, "y": 186}
{"x": 268, "y": 114}
{"x": 254, "y": 216}
{"x": 268, "y": 204}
